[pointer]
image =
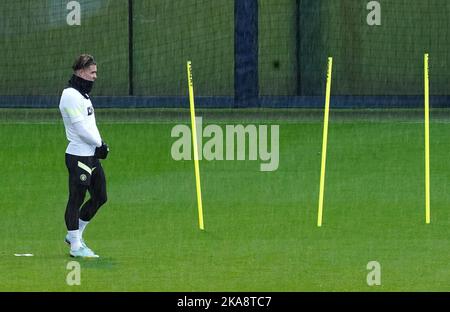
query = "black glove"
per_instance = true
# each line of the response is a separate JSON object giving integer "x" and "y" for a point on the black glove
{"x": 102, "y": 151}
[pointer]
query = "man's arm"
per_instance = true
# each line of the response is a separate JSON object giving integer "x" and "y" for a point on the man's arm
{"x": 86, "y": 135}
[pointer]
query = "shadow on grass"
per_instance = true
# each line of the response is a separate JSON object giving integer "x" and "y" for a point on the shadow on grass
{"x": 96, "y": 263}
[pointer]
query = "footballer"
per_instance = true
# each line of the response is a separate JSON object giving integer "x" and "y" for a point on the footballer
{"x": 83, "y": 154}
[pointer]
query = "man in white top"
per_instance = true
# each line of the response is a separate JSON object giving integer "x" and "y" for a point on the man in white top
{"x": 82, "y": 154}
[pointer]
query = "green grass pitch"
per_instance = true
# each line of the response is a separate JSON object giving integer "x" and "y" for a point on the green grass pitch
{"x": 261, "y": 232}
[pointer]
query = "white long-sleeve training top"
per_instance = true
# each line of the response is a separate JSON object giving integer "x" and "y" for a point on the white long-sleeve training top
{"x": 79, "y": 120}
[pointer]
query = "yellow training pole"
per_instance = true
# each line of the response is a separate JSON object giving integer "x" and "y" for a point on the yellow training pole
{"x": 427, "y": 141}
{"x": 194, "y": 143}
{"x": 324, "y": 143}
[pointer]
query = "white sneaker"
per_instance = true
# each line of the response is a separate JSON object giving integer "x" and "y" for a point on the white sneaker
{"x": 83, "y": 245}
{"x": 67, "y": 240}
{"x": 83, "y": 253}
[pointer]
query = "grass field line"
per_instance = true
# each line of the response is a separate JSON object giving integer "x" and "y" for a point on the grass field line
{"x": 228, "y": 122}
{"x": 231, "y": 116}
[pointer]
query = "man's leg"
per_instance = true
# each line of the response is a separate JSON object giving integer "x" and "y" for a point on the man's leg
{"x": 77, "y": 192}
{"x": 97, "y": 190}
{"x": 76, "y": 198}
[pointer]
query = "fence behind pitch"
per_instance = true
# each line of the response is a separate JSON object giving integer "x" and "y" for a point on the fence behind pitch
{"x": 142, "y": 47}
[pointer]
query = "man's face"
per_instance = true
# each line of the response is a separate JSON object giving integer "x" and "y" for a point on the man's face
{"x": 88, "y": 73}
